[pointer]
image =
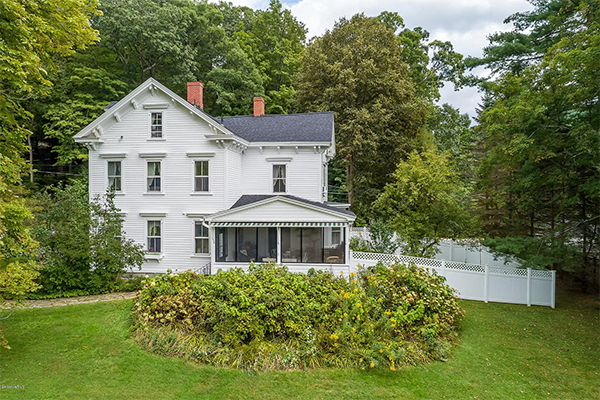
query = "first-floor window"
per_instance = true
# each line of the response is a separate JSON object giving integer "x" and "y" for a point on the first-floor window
{"x": 154, "y": 237}
{"x": 114, "y": 176}
{"x": 201, "y": 238}
{"x": 154, "y": 181}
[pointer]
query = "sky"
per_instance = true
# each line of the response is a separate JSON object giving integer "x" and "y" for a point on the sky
{"x": 465, "y": 23}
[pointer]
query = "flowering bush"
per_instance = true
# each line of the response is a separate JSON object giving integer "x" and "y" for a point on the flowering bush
{"x": 269, "y": 318}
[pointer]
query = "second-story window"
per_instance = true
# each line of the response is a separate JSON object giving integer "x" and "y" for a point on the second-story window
{"x": 114, "y": 176}
{"x": 201, "y": 177}
{"x": 279, "y": 178}
{"x": 154, "y": 178}
{"x": 156, "y": 125}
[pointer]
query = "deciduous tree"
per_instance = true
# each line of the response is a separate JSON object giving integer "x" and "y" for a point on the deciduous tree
{"x": 356, "y": 70}
{"x": 425, "y": 203}
{"x": 32, "y": 35}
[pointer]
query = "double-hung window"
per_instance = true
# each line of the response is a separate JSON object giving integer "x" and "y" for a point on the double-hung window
{"x": 154, "y": 183}
{"x": 201, "y": 176}
{"x": 154, "y": 237}
{"x": 156, "y": 125}
{"x": 279, "y": 178}
{"x": 200, "y": 239}
{"x": 114, "y": 176}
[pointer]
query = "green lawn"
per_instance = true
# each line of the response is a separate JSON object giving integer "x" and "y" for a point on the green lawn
{"x": 506, "y": 352}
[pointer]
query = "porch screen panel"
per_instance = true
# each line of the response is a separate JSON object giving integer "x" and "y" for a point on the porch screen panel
{"x": 291, "y": 241}
{"x": 312, "y": 245}
{"x": 247, "y": 244}
{"x": 334, "y": 248}
{"x": 267, "y": 244}
{"x": 225, "y": 244}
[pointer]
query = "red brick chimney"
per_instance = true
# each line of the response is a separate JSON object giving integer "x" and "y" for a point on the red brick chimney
{"x": 259, "y": 106}
{"x": 194, "y": 93}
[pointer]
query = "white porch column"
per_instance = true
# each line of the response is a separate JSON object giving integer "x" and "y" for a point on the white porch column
{"x": 279, "y": 245}
{"x": 347, "y": 244}
{"x": 213, "y": 248}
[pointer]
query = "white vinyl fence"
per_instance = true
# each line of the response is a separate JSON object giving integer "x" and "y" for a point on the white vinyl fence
{"x": 479, "y": 282}
{"x": 452, "y": 251}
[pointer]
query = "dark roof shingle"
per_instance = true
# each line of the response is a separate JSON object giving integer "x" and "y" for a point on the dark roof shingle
{"x": 311, "y": 127}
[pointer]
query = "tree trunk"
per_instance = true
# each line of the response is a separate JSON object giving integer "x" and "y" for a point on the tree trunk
{"x": 349, "y": 182}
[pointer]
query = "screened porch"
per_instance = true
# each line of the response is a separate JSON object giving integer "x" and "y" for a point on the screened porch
{"x": 283, "y": 243}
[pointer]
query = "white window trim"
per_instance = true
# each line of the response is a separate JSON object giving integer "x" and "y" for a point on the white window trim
{"x": 210, "y": 177}
{"x": 163, "y": 137}
{"x": 121, "y": 160}
{"x": 273, "y": 177}
{"x": 194, "y": 254}
{"x": 162, "y": 181}
{"x": 154, "y": 255}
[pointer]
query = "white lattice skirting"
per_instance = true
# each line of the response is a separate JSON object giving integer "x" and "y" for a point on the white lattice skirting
{"x": 478, "y": 282}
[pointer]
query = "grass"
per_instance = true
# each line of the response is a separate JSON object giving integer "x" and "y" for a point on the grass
{"x": 506, "y": 352}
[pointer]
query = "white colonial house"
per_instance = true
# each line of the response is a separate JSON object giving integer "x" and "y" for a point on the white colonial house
{"x": 207, "y": 193}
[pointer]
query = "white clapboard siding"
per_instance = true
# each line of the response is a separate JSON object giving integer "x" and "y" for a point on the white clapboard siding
{"x": 233, "y": 178}
{"x": 303, "y": 171}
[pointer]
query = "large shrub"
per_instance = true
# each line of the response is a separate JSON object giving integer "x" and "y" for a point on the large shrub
{"x": 270, "y": 318}
{"x": 82, "y": 246}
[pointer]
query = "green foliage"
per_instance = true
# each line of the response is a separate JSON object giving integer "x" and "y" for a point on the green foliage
{"x": 356, "y": 70}
{"x": 536, "y": 252}
{"x": 82, "y": 246}
{"x": 150, "y": 36}
{"x": 534, "y": 33}
{"x": 425, "y": 203}
{"x": 381, "y": 239}
{"x": 78, "y": 98}
{"x": 540, "y": 178}
{"x": 274, "y": 43}
{"x": 270, "y": 318}
{"x": 33, "y": 35}
{"x": 452, "y": 133}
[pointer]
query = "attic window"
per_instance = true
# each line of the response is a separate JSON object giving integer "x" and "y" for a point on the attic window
{"x": 156, "y": 125}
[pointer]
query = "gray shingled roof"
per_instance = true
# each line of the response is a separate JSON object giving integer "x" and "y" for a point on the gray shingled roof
{"x": 253, "y": 198}
{"x": 312, "y": 127}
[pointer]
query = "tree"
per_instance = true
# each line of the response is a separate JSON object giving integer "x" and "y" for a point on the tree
{"x": 425, "y": 203}
{"x": 32, "y": 35}
{"x": 82, "y": 245}
{"x": 535, "y": 33}
{"x": 540, "y": 179}
{"x": 149, "y": 37}
{"x": 78, "y": 98}
{"x": 452, "y": 133}
{"x": 356, "y": 70}
{"x": 177, "y": 42}
{"x": 274, "y": 42}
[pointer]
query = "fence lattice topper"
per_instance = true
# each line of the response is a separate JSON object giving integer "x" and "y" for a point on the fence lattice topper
{"x": 439, "y": 265}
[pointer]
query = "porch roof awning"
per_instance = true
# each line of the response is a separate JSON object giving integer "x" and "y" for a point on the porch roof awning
{"x": 275, "y": 224}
